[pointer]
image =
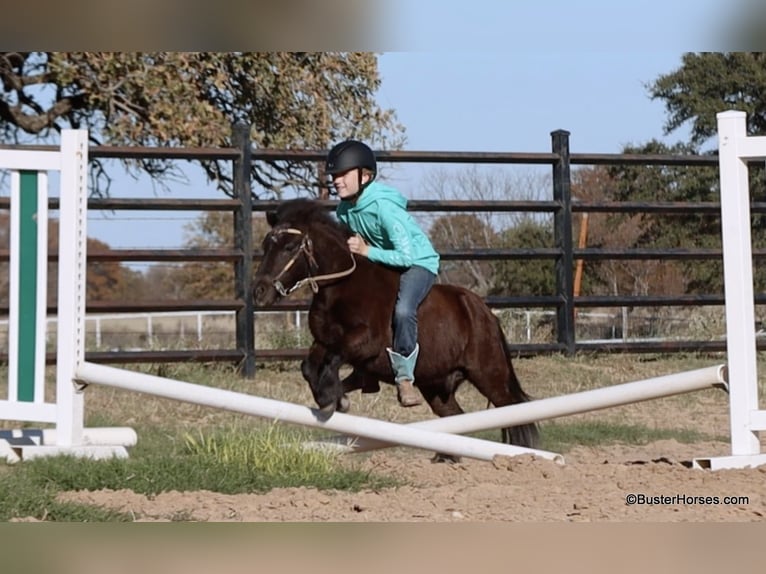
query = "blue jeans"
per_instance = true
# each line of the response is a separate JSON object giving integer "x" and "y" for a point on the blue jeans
{"x": 414, "y": 285}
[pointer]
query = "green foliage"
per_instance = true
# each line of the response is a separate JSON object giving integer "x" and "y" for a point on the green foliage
{"x": 704, "y": 85}
{"x": 662, "y": 183}
{"x": 271, "y": 455}
{"x": 712, "y": 82}
{"x": 525, "y": 276}
{"x": 463, "y": 231}
{"x": 291, "y": 100}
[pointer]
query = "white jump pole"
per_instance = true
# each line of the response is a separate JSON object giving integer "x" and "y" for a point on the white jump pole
{"x": 554, "y": 407}
{"x": 91, "y": 373}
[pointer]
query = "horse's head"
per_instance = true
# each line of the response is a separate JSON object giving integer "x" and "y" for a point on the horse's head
{"x": 305, "y": 246}
{"x": 288, "y": 259}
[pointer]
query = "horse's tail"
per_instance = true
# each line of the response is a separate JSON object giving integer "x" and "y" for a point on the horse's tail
{"x": 526, "y": 435}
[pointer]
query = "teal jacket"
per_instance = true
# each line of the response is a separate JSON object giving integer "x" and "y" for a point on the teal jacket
{"x": 380, "y": 216}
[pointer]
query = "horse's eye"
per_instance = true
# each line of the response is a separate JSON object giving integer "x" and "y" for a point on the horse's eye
{"x": 292, "y": 247}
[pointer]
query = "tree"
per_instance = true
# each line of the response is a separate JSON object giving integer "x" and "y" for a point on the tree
{"x": 463, "y": 231}
{"x": 525, "y": 277}
{"x": 705, "y": 84}
{"x": 622, "y": 231}
{"x": 291, "y": 100}
{"x": 712, "y": 82}
{"x": 110, "y": 280}
{"x": 658, "y": 183}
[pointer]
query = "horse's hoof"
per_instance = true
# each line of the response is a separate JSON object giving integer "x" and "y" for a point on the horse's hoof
{"x": 327, "y": 411}
{"x": 344, "y": 404}
{"x": 445, "y": 458}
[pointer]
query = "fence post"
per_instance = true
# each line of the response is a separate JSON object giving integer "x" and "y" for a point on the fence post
{"x": 562, "y": 230}
{"x": 243, "y": 240}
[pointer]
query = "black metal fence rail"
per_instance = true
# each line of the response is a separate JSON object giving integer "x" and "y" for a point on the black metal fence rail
{"x": 243, "y": 254}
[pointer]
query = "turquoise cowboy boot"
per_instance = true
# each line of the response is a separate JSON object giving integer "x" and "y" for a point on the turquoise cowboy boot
{"x": 404, "y": 376}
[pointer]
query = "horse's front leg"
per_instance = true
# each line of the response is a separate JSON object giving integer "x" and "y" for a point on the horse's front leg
{"x": 320, "y": 369}
{"x": 358, "y": 353}
{"x": 313, "y": 364}
{"x": 358, "y": 380}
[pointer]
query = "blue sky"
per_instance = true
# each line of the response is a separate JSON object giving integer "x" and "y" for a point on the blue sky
{"x": 559, "y": 25}
{"x": 511, "y": 101}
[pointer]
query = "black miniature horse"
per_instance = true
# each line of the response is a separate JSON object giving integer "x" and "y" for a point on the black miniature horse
{"x": 350, "y": 320}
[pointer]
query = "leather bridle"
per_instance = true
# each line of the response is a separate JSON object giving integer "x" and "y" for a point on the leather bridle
{"x": 305, "y": 248}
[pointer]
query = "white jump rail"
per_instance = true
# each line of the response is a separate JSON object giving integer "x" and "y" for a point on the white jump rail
{"x": 91, "y": 373}
{"x": 554, "y": 407}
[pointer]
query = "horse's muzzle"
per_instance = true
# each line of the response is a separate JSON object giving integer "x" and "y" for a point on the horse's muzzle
{"x": 264, "y": 293}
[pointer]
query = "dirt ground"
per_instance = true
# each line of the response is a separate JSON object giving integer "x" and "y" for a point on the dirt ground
{"x": 592, "y": 485}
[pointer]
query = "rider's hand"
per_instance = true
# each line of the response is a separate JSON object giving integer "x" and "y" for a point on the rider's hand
{"x": 357, "y": 245}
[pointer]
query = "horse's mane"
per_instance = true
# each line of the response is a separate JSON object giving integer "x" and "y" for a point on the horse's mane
{"x": 308, "y": 212}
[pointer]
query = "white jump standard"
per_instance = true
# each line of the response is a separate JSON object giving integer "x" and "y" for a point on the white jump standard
{"x": 735, "y": 149}
{"x": 25, "y": 400}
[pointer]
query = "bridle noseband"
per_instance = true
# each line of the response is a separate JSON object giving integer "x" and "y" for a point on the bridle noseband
{"x": 306, "y": 248}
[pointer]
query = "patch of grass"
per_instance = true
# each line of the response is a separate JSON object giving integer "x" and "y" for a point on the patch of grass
{"x": 27, "y": 492}
{"x": 228, "y": 461}
{"x": 563, "y": 436}
{"x": 274, "y": 458}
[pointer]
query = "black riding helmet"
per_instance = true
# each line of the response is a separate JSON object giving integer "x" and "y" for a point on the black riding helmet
{"x": 351, "y": 154}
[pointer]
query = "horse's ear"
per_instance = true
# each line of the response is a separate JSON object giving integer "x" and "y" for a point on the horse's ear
{"x": 271, "y": 218}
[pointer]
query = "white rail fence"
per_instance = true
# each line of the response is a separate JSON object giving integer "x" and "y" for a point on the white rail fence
{"x": 278, "y": 329}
